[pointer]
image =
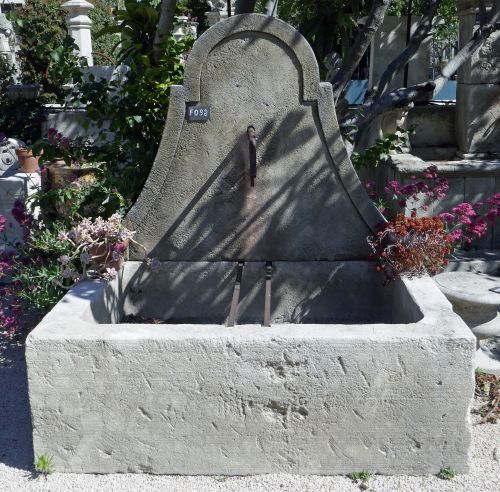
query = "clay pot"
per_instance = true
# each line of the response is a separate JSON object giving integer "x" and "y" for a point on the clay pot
{"x": 27, "y": 161}
{"x": 102, "y": 256}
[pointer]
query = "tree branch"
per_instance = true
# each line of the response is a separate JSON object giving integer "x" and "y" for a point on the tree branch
{"x": 421, "y": 33}
{"x": 165, "y": 23}
{"x": 363, "y": 40}
{"x": 424, "y": 92}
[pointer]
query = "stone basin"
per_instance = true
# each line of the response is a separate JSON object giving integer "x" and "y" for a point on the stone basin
{"x": 349, "y": 375}
{"x": 327, "y": 394}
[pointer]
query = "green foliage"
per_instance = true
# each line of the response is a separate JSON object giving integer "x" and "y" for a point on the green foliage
{"x": 6, "y": 76}
{"x": 197, "y": 9}
{"x": 328, "y": 26}
{"x": 381, "y": 149}
{"x": 21, "y": 118}
{"x": 46, "y": 53}
{"x": 44, "y": 464}
{"x": 102, "y": 17}
{"x": 447, "y": 11}
{"x": 36, "y": 267}
{"x": 135, "y": 108}
{"x": 447, "y": 473}
{"x": 364, "y": 476}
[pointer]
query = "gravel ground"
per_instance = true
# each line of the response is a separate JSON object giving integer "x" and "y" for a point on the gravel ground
{"x": 16, "y": 457}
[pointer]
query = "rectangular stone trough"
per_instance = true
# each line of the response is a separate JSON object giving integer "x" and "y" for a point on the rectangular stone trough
{"x": 350, "y": 376}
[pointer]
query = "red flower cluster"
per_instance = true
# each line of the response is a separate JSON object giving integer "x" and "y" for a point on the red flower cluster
{"x": 410, "y": 246}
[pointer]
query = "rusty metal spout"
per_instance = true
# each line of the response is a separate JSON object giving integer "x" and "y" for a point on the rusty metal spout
{"x": 252, "y": 153}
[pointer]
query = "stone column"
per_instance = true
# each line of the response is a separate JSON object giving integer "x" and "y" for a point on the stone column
{"x": 79, "y": 25}
{"x": 478, "y": 91}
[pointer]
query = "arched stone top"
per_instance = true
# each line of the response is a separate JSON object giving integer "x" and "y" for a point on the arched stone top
{"x": 307, "y": 203}
{"x": 247, "y": 23}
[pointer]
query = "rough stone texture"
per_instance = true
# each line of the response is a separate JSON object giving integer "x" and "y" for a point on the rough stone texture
{"x": 9, "y": 162}
{"x": 478, "y": 119}
{"x": 435, "y": 136}
{"x": 302, "y": 292}
{"x": 483, "y": 67}
{"x": 198, "y": 204}
{"x": 389, "y": 41}
{"x": 207, "y": 399}
{"x": 478, "y": 93}
{"x": 467, "y": 283}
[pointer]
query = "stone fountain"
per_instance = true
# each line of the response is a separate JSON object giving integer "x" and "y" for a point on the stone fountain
{"x": 282, "y": 351}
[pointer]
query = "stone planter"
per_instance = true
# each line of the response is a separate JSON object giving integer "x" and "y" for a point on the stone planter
{"x": 60, "y": 175}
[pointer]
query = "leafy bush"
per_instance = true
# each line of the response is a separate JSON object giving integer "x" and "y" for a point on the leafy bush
{"x": 21, "y": 118}
{"x": 41, "y": 29}
{"x": 134, "y": 108}
{"x": 102, "y": 17}
{"x": 381, "y": 149}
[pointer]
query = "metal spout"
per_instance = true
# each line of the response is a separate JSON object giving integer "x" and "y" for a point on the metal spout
{"x": 252, "y": 153}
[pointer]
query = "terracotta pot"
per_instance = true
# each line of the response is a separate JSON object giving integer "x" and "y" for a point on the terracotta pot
{"x": 27, "y": 161}
{"x": 102, "y": 256}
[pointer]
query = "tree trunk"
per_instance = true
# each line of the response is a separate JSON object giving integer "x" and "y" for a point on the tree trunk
{"x": 421, "y": 33}
{"x": 363, "y": 40}
{"x": 426, "y": 90}
{"x": 165, "y": 23}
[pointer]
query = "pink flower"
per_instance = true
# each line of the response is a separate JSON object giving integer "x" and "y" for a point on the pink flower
{"x": 430, "y": 172}
{"x": 455, "y": 235}
{"x": 447, "y": 217}
{"x": 464, "y": 209}
{"x": 3, "y": 222}
{"x": 478, "y": 229}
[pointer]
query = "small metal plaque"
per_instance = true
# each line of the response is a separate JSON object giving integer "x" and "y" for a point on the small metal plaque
{"x": 198, "y": 113}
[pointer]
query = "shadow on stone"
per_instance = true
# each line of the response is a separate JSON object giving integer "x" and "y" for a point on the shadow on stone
{"x": 16, "y": 447}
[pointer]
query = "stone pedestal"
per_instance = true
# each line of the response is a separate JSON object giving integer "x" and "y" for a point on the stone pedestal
{"x": 478, "y": 92}
{"x": 79, "y": 25}
{"x": 15, "y": 186}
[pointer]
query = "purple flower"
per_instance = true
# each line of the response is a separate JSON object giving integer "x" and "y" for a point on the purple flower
{"x": 447, "y": 217}
{"x": 3, "y": 222}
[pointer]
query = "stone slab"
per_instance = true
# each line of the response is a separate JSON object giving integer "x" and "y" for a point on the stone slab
{"x": 478, "y": 119}
{"x": 208, "y": 399}
{"x": 469, "y": 287}
{"x": 198, "y": 203}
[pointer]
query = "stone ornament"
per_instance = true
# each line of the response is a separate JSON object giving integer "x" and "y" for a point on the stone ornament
{"x": 204, "y": 206}
{"x": 8, "y": 157}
